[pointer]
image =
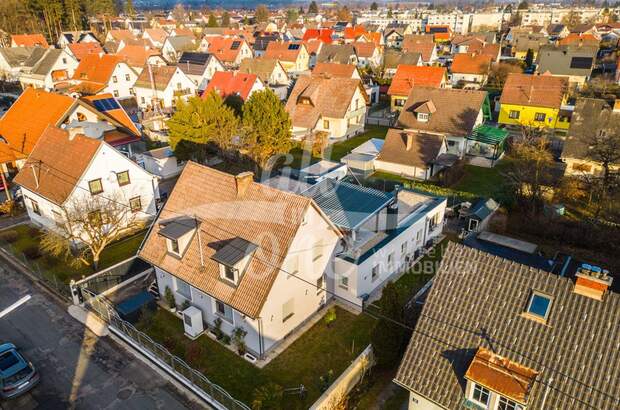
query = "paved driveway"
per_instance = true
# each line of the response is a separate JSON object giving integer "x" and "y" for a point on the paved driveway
{"x": 78, "y": 369}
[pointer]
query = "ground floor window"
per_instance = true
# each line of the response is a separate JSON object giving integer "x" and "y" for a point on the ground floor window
{"x": 183, "y": 288}
{"x": 514, "y": 115}
{"x": 224, "y": 311}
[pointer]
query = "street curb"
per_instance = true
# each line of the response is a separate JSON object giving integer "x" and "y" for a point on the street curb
{"x": 19, "y": 267}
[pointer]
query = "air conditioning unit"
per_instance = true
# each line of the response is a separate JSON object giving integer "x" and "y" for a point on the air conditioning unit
{"x": 192, "y": 322}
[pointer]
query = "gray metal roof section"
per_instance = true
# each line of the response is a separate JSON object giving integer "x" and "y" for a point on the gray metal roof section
{"x": 477, "y": 300}
{"x": 176, "y": 228}
{"x": 233, "y": 251}
{"x": 371, "y": 147}
{"x": 348, "y": 205}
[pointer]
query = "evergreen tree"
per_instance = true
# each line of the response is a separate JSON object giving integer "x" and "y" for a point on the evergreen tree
{"x": 212, "y": 21}
{"x": 374, "y": 6}
{"x": 266, "y": 127}
{"x": 523, "y": 5}
{"x": 389, "y": 338}
{"x": 344, "y": 14}
{"x": 202, "y": 123}
{"x": 313, "y": 8}
{"x": 225, "y": 19}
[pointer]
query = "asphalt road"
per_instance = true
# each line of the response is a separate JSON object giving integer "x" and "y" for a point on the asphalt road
{"x": 78, "y": 369}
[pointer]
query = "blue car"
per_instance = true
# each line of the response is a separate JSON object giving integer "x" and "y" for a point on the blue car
{"x": 17, "y": 375}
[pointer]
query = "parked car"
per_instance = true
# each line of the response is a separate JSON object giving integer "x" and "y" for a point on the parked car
{"x": 17, "y": 375}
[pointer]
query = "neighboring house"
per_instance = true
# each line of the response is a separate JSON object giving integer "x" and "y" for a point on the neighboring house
{"x": 470, "y": 70}
{"x": 369, "y": 55}
{"x": 199, "y": 67}
{"x": 422, "y": 44}
{"x": 29, "y": 40}
{"x": 393, "y": 58}
{"x": 441, "y": 33}
{"x": 55, "y": 66}
{"x": 574, "y": 62}
{"x": 324, "y": 35}
{"x": 66, "y": 168}
{"x": 591, "y": 118}
{"x": 494, "y": 334}
{"x": 293, "y": 56}
{"x": 270, "y": 72}
{"x": 534, "y": 100}
{"x": 336, "y": 106}
{"x": 575, "y": 39}
{"x": 362, "y": 158}
{"x": 70, "y": 37}
{"x": 174, "y": 46}
{"x": 234, "y": 84}
{"x": 156, "y": 36}
{"x": 337, "y": 53}
{"x": 314, "y": 48}
{"x": 410, "y": 76}
{"x": 463, "y": 43}
{"x": 17, "y": 60}
{"x": 230, "y": 51}
{"x": 453, "y": 113}
{"x": 384, "y": 234}
{"x": 413, "y": 154}
{"x": 119, "y": 35}
{"x": 105, "y": 73}
{"x": 210, "y": 242}
{"x": 522, "y": 42}
{"x": 161, "y": 86}
{"x": 81, "y": 50}
{"x": 138, "y": 57}
{"x": 162, "y": 162}
{"x": 478, "y": 215}
{"x": 262, "y": 41}
{"x": 394, "y": 37}
{"x": 557, "y": 31}
{"x": 337, "y": 70}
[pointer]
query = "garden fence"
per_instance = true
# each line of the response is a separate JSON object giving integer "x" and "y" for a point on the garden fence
{"x": 52, "y": 282}
{"x": 104, "y": 309}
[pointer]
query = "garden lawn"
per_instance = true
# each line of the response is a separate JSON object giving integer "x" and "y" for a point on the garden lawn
{"x": 56, "y": 269}
{"x": 338, "y": 150}
{"x": 313, "y": 355}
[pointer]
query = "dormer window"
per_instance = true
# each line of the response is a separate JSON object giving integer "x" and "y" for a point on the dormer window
{"x": 423, "y": 117}
{"x": 233, "y": 258}
{"x": 178, "y": 233}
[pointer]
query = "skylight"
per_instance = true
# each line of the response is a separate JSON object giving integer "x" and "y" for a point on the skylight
{"x": 539, "y": 305}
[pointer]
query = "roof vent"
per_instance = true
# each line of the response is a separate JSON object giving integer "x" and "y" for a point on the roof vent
{"x": 592, "y": 281}
{"x": 243, "y": 181}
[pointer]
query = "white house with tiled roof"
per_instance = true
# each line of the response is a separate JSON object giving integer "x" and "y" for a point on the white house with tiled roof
{"x": 250, "y": 256}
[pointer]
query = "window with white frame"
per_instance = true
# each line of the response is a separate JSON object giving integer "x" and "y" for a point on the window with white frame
{"x": 390, "y": 261}
{"x": 375, "y": 273}
{"x": 35, "y": 207}
{"x": 288, "y": 310}
{"x": 224, "y": 311}
{"x": 183, "y": 288}
{"x": 418, "y": 236}
{"x": 480, "y": 395}
{"x": 507, "y": 404}
{"x": 403, "y": 248}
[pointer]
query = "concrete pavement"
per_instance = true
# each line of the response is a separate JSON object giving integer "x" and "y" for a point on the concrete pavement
{"x": 78, "y": 369}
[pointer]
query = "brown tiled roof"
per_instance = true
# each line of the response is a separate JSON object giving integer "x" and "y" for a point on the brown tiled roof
{"x": 137, "y": 56}
{"x": 409, "y": 76}
{"x": 221, "y": 47}
{"x": 364, "y": 49}
{"x": 227, "y": 83}
{"x": 317, "y": 96}
{"x": 477, "y": 300}
{"x": 97, "y": 68}
{"x": 22, "y": 125}
{"x": 157, "y": 34}
{"x": 119, "y": 35}
{"x": 534, "y": 90}
{"x": 419, "y": 44}
{"x": 456, "y": 110}
{"x": 56, "y": 164}
{"x": 29, "y": 40}
{"x": 264, "y": 216}
{"x": 280, "y": 51}
{"x": 423, "y": 150}
{"x": 467, "y": 63}
{"x": 161, "y": 76}
{"x": 336, "y": 53}
{"x": 334, "y": 70}
{"x": 262, "y": 66}
{"x": 81, "y": 50}
{"x": 6, "y": 153}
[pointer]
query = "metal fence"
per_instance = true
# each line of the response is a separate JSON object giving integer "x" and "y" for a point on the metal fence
{"x": 104, "y": 309}
{"x": 58, "y": 286}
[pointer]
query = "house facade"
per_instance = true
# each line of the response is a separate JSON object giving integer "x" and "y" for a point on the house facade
{"x": 67, "y": 168}
{"x": 199, "y": 67}
{"x": 105, "y": 74}
{"x": 293, "y": 56}
{"x": 169, "y": 84}
{"x": 54, "y": 67}
{"x": 221, "y": 271}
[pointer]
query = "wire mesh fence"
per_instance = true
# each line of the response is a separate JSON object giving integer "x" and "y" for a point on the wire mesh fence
{"x": 104, "y": 309}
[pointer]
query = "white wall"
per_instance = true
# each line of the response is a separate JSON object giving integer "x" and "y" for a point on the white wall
{"x": 144, "y": 96}
{"x": 125, "y": 79}
{"x": 162, "y": 167}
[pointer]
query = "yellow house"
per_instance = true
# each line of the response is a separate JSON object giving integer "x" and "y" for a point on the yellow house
{"x": 534, "y": 100}
{"x": 408, "y": 76}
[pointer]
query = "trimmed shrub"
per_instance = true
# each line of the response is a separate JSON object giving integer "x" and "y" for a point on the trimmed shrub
{"x": 32, "y": 252}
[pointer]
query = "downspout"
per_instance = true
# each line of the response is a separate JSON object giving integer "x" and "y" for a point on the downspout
{"x": 261, "y": 340}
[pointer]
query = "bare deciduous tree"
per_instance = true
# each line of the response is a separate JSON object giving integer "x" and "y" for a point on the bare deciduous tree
{"x": 87, "y": 226}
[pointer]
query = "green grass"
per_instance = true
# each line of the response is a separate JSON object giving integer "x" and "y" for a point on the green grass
{"x": 55, "y": 268}
{"x": 313, "y": 355}
{"x": 338, "y": 150}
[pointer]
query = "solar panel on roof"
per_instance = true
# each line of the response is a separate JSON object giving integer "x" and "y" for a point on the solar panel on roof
{"x": 235, "y": 45}
{"x": 581, "y": 62}
{"x": 293, "y": 46}
{"x": 194, "y": 58}
{"x": 106, "y": 104}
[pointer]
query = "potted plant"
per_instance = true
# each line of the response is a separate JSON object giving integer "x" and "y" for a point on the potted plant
{"x": 169, "y": 296}
{"x": 185, "y": 305}
{"x": 217, "y": 329}
{"x": 238, "y": 339}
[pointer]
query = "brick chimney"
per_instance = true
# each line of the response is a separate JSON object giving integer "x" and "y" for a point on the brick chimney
{"x": 592, "y": 283}
{"x": 242, "y": 182}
